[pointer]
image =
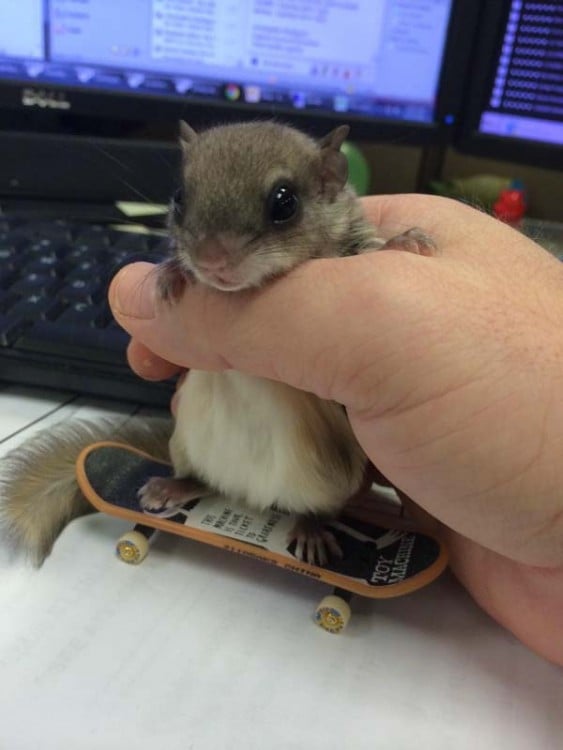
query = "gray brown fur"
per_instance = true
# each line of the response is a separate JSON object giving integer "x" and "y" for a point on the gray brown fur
{"x": 228, "y": 172}
{"x": 39, "y": 494}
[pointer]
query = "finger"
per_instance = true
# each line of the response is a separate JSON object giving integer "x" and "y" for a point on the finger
{"x": 148, "y": 365}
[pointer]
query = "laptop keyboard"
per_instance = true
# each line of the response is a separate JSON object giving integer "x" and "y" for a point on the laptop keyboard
{"x": 56, "y": 328}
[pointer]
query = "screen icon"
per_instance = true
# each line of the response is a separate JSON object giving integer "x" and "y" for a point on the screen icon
{"x": 85, "y": 75}
{"x": 135, "y": 80}
{"x": 183, "y": 85}
{"x": 232, "y": 92}
{"x": 252, "y": 94}
{"x": 34, "y": 69}
{"x": 341, "y": 103}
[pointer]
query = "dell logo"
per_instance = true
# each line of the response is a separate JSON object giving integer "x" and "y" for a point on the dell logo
{"x": 44, "y": 98}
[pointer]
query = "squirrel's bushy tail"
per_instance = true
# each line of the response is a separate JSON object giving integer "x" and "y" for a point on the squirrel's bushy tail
{"x": 39, "y": 494}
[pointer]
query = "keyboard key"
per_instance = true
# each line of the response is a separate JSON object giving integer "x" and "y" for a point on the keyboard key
{"x": 20, "y": 236}
{"x": 87, "y": 270}
{"x": 81, "y": 290}
{"x": 47, "y": 246}
{"x": 86, "y": 254}
{"x": 7, "y": 251}
{"x": 58, "y": 230}
{"x": 32, "y": 307}
{"x": 79, "y": 313}
{"x": 48, "y": 264}
{"x": 75, "y": 340}
{"x": 94, "y": 234}
{"x": 35, "y": 283}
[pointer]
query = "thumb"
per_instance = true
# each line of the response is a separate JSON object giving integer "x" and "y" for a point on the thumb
{"x": 156, "y": 325}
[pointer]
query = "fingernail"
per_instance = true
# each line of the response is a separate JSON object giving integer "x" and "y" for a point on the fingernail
{"x": 132, "y": 294}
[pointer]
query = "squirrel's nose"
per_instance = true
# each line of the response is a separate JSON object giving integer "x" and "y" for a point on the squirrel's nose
{"x": 212, "y": 255}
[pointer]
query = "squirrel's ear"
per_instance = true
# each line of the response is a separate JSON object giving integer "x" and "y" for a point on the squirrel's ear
{"x": 335, "y": 138}
{"x": 334, "y": 165}
{"x": 188, "y": 137}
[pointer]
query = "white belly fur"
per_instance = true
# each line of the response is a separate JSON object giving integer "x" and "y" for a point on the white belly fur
{"x": 265, "y": 443}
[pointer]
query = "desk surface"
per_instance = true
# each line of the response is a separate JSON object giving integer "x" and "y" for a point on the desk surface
{"x": 199, "y": 649}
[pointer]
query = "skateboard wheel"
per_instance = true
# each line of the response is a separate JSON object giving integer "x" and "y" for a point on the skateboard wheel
{"x": 132, "y": 547}
{"x": 333, "y": 614}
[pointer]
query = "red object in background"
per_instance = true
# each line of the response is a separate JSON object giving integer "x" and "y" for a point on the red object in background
{"x": 510, "y": 206}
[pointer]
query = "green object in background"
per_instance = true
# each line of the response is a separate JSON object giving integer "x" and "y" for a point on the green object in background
{"x": 480, "y": 190}
{"x": 358, "y": 169}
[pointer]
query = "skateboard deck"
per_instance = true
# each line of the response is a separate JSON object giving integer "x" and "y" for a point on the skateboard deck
{"x": 379, "y": 560}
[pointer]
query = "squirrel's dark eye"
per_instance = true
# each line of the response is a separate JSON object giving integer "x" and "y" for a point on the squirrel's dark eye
{"x": 283, "y": 204}
{"x": 178, "y": 204}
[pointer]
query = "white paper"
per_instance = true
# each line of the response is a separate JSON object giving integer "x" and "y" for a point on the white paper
{"x": 203, "y": 649}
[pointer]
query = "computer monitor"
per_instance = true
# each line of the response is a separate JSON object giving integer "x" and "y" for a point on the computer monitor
{"x": 391, "y": 68}
{"x": 515, "y": 103}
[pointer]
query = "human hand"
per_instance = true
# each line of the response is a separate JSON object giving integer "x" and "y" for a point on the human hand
{"x": 449, "y": 367}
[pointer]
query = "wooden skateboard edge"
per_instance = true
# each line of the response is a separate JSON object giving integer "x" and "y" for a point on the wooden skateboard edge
{"x": 416, "y": 582}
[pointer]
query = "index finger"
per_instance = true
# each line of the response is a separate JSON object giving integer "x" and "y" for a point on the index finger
{"x": 147, "y": 364}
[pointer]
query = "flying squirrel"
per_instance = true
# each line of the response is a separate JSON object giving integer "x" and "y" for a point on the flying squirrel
{"x": 256, "y": 200}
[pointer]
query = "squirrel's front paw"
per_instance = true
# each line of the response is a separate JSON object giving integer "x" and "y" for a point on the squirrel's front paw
{"x": 165, "y": 493}
{"x": 413, "y": 241}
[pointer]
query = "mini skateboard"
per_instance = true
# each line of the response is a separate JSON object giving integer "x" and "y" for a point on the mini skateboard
{"x": 379, "y": 560}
